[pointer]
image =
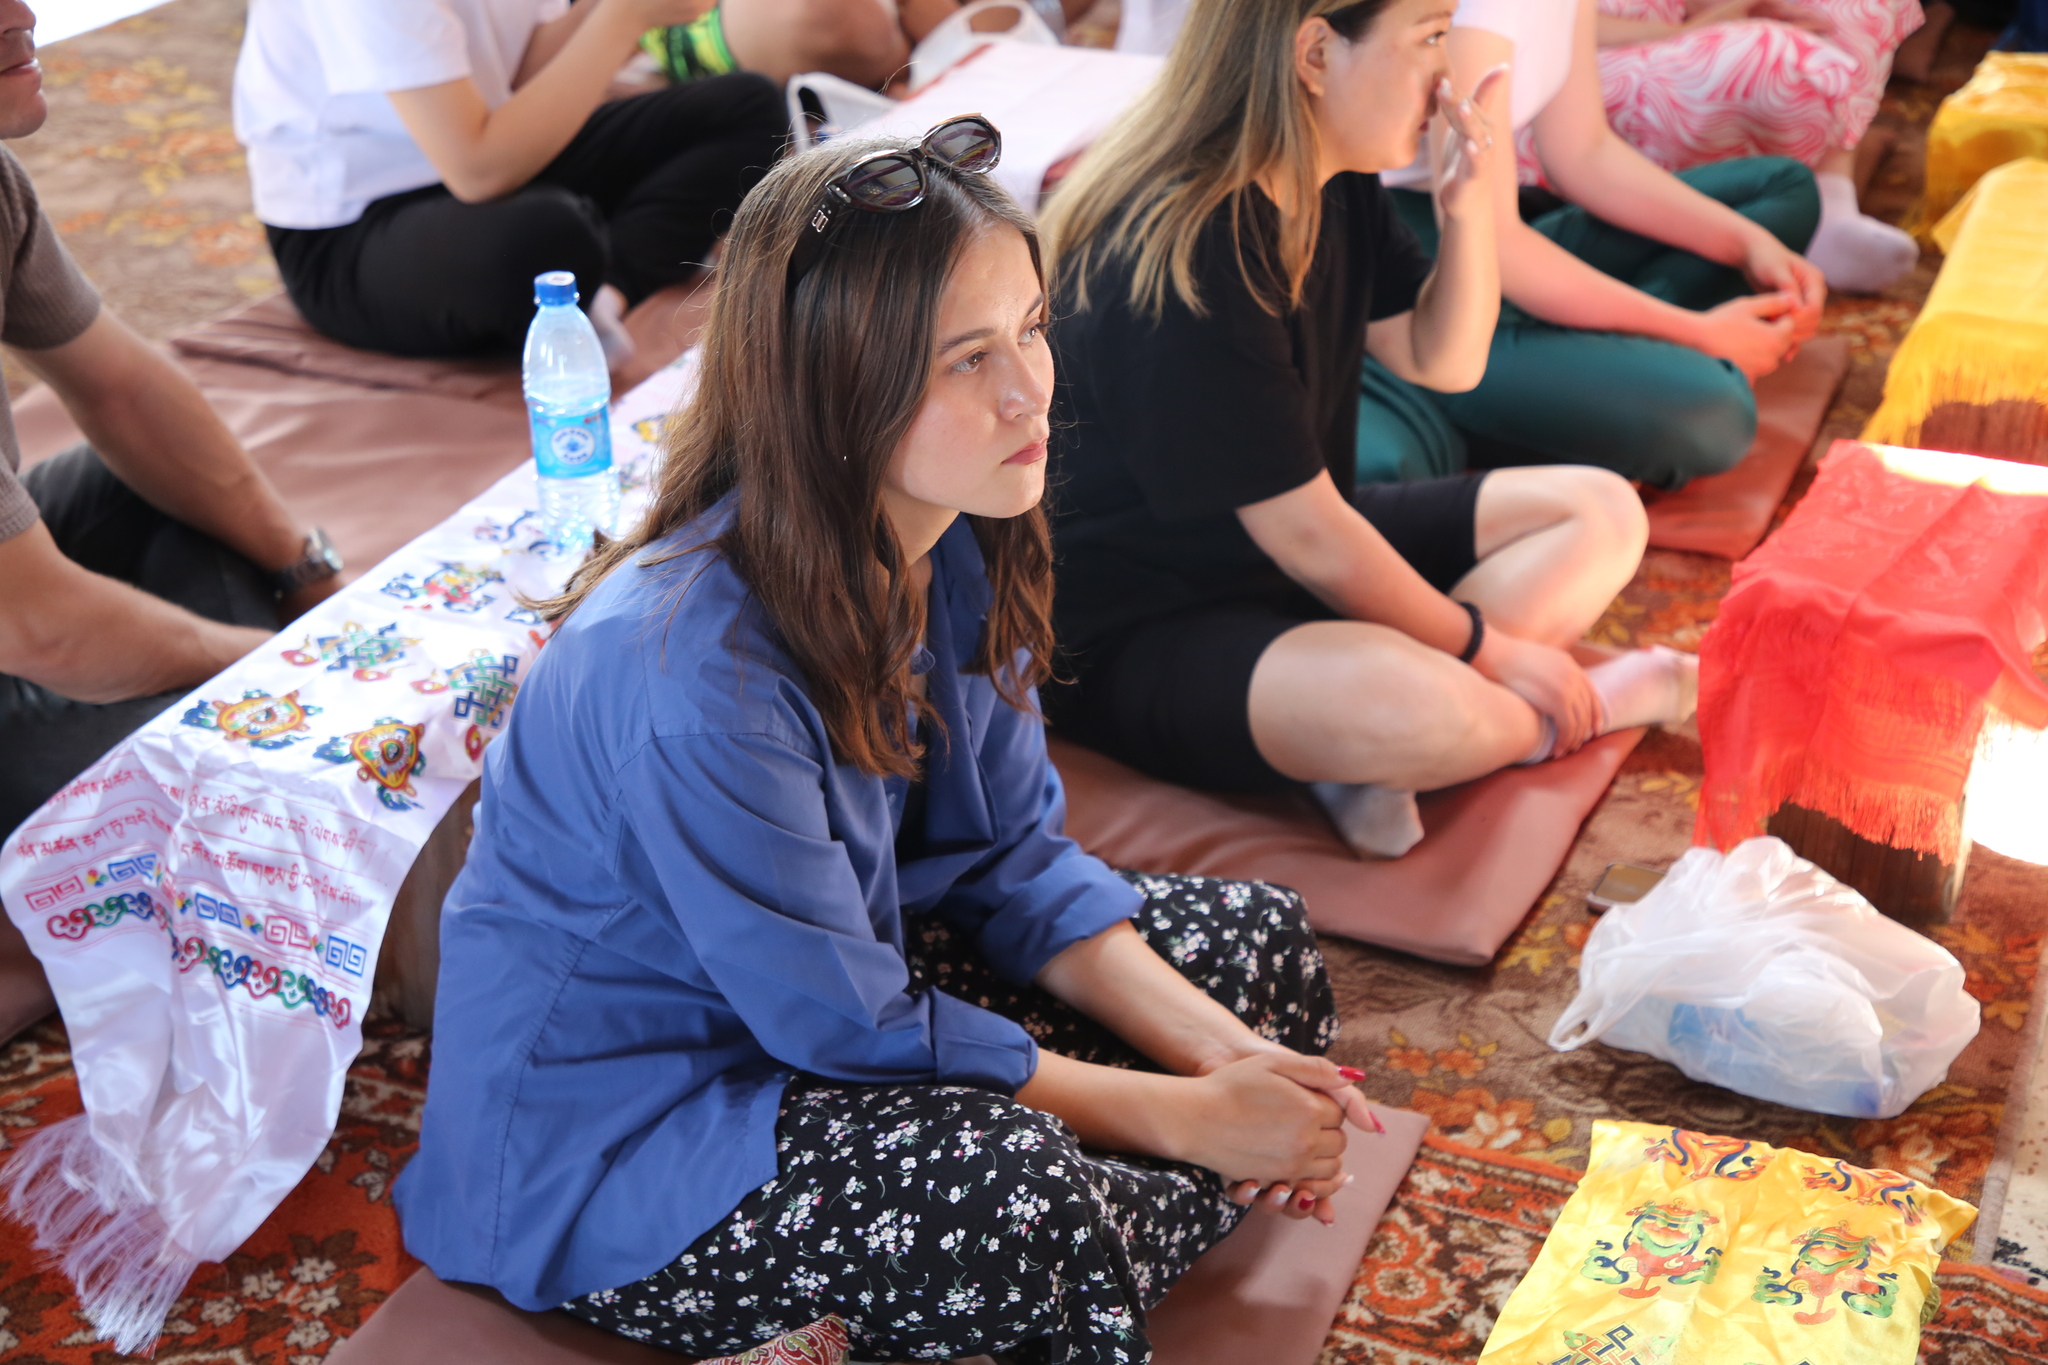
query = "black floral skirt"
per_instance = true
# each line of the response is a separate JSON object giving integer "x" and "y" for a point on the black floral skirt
{"x": 946, "y": 1221}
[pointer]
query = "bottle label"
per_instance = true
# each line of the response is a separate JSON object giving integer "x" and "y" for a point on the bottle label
{"x": 570, "y": 445}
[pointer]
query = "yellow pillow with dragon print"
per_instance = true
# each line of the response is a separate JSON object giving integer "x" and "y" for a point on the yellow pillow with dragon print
{"x": 1684, "y": 1249}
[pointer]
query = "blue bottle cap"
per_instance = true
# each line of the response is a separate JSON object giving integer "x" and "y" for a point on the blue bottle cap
{"x": 554, "y": 287}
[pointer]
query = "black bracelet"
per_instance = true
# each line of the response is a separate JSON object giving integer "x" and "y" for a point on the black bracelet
{"x": 1471, "y": 650}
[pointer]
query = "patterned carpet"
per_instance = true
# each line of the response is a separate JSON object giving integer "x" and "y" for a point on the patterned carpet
{"x": 139, "y": 169}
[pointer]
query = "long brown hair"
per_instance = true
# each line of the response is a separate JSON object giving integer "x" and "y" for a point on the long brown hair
{"x": 802, "y": 399}
{"x": 1227, "y": 112}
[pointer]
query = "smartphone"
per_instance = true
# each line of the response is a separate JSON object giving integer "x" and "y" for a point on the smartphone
{"x": 1621, "y": 884}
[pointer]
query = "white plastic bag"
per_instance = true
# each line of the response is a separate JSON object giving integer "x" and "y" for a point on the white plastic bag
{"x": 1757, "y": 971}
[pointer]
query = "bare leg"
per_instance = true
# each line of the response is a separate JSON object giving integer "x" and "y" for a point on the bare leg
{"x": 859, "y": 40}
{"x": 1555, "y": 543}
{"x": 1342, "y": 701}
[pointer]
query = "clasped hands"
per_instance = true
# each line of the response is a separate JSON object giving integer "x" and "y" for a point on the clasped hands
{"x": 1759, "y": 332}
{"x": 1271, "y": 1123}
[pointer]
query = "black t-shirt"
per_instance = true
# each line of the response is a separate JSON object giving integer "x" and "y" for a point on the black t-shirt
{"x": 1162, "y": 430}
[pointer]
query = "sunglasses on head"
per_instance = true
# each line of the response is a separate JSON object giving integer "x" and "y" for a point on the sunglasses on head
{"x": 892, "y": 181}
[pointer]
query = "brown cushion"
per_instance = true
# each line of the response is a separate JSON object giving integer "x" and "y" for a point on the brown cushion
{"x": 429, "y": 1321}
{"x": 271, "y": 333}
{"x": 1267, "y": 1294}
{"x": 374, "y": 466}
{"x": 1489, "y": 847}
{"x": 375, "y": 448}
{"x": 1274, "y": 1284}
{"x": 1729, "y": 514}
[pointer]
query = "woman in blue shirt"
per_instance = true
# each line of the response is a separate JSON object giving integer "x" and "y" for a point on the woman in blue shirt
{"x": 772, "y": 988}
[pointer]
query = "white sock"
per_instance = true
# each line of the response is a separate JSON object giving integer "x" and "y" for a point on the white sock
{"x": 1654, "y": 686}
{"x": 1380, "y": 822}
{"x": 607, "y": 315}
{"x": 1856, "y": 252}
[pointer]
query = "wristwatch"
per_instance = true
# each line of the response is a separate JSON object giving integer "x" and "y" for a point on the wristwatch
{"x": 321, "y": 560}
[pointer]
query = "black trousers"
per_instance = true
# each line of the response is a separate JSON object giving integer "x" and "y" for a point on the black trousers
{"x": 636, "y": 200}
{"x": 943, "y": 1221}
{"x": 100, "y": 524}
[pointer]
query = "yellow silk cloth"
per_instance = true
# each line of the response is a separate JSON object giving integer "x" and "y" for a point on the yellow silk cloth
{"x": 2001, "y": 115}
{"x": 1684, "y": 1249}
{"x": 1983, "y": 335}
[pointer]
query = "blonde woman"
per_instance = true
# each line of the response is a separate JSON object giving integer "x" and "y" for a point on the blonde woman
{"x": 1235, "y": 616}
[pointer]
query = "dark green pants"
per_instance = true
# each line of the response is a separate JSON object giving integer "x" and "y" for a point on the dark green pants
{"x": 1648, "y": 409}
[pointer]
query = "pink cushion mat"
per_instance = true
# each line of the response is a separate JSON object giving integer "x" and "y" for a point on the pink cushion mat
{"x": 1728, "y": 514}
{"x": 374, "y": 466}
{"x": 1488, "y": 850}
{"x": 375, "y": 448}
{"x": 1266, "y": 1293}
{"x": 270, "y": 333}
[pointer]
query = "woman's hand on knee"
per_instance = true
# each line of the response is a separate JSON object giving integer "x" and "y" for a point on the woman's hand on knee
{"x": 1774, "y": 268}
{"x": 1549, "y": 680}
{"x": 1753, "y": 333}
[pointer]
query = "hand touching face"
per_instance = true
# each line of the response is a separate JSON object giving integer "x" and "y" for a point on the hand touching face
{"x": 1372, "y": 98}
{"x": 978, "y": 442}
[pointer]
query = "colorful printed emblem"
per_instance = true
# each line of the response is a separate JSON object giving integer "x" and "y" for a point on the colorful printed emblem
{"x": 1870, "y": 1188}
{"x": 483, "y": 687}
{"x": 388, "y": 754}
{"x": 259, "y": 719}
{"x": 456, "y": 587}
{"x": 143, "y": 865}
{"x": 367, "y": 652}
{"x": 103, "y": 914}
{"x": 1617, "y": 1347}
{"x": 649, "y": 429}
{"x": 1710, "y": 1158}
{"x": 1663, "y": 1242}
{"x": 1828, "y": 1261}
{"x": 262, "y": 980}
{"x": 496, "y": 532}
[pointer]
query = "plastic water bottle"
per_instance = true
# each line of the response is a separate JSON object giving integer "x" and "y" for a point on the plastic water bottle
{"x": 568, "y": 401}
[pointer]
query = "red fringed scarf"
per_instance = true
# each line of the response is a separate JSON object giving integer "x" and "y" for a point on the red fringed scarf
{"x": 1861, "y": 648}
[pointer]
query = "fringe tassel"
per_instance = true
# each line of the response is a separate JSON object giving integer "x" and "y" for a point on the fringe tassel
{"x": 1959, "y": 358}
{"x": 101, "y": 1231}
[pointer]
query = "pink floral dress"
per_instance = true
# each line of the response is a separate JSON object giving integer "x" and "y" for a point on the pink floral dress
{"x": 1753, "y": 87}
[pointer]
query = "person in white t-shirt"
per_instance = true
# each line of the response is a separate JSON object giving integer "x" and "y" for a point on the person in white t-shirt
{"x": 418, "y": 162}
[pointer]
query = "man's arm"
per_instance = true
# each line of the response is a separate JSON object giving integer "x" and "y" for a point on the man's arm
{"x": 94, "y": 639}
{"x": 157, "y": 433}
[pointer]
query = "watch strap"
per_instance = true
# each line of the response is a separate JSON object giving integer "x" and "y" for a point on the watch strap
{"x": 321, "y": 560}
{"x": 1471, "y": 650}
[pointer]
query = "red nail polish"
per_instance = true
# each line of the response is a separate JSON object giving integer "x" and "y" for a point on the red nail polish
{"x": 1307, "y": 1201}
{"x": 1351, "y": 1073}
